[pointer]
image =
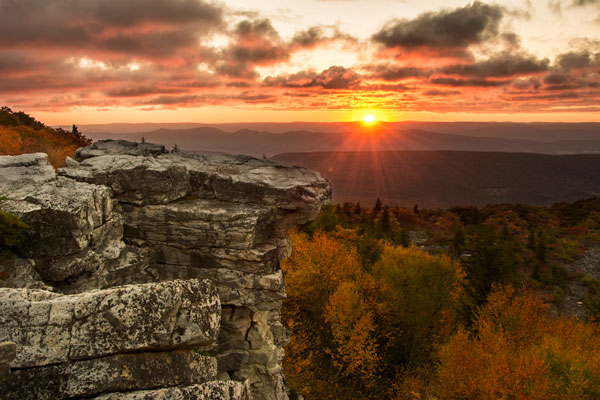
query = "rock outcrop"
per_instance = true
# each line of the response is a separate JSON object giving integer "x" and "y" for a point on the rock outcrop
{"x": 136, "y": 257}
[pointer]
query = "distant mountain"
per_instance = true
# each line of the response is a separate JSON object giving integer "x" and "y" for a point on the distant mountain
{"x": 446, "y": 178}
{"x": 356, "y": 137}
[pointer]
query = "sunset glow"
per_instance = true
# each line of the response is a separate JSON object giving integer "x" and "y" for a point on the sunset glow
{"x": 315, "y": 60}
{"x": 369, "y": 119}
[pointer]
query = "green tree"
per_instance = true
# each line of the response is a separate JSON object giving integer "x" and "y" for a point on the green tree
{"x": 377, "y": 206}
{"x": 417, "y": 295}
{"x": 492, "y": 260}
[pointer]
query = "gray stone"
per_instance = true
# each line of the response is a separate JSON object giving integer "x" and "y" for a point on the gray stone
{"x": 134, "y": 179}
{"x": 16, "y": 272}
{"x": 215, "y": 390}
{"x": 66, "y": 215}
{"x": 106, "y": 147}
{"x": 132, "y": 214}
{"x": 25, "y": 169}
{"x": 52, "y": 328}
{"x": 8, "y": 351}
{"x": 121, "y": 372}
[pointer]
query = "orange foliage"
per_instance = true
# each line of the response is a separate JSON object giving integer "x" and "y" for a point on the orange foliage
{"x": 314, "y": 274}
{"x": 22, "y": 134}
{"x": 521, "y": 352}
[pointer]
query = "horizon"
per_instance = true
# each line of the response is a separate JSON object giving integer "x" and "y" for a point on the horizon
{"x": 311, "y": 61}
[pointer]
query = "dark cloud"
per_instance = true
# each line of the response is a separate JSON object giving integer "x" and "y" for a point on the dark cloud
{"x": 503, "y": 65}
{"x": 556, "y": 79}
{"x": 446, "y": 29}
{"x": 139, "y": 91}
{"x": 18, "y": 62}
{"x": 393, "y": 73}
{"x": 309, "y": 37}
{"x": 135, "y": 27}
{"x": 335, "y": 77}
{"x": 526, "y": 84}
{"x": 575, "y": 60}
{"x": 467, "y": 82}
{"x": 316, "y": 35}
{"x": 255, "y": 43}
{"x": 132, "y": 12}
{"x": 582, "y": 3}
{"x": 436, "y": 92}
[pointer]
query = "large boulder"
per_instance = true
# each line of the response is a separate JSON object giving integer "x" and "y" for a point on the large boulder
{"x": 117, "y": 373}
{"x": 51, "y": 328}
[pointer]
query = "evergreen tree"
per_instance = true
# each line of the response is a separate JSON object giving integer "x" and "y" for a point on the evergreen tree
{"x": 377, "y": 207}
{"x": 357, "y": 209}
{"x": 541, "y": 249}
{"x": 531, "y": 242}
{"x": 385, "y": 220}
{"x": 458, "y": 240}
{"x": 416, "y": 209}
{"x": 404, "y": 237}
{"x": 492, "y": 261}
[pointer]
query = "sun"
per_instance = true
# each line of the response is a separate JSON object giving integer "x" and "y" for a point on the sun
{"x": 369, "y": 119}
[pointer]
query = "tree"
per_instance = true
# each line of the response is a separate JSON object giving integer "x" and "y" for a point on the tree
{"x": 531, "y": 242}
{"x": 385, "y": 220}
{"x": 416, "y": 209}
{"x": 458, "y": 238}
{"x": 520, "y": 351}
{"x": 417, "y": 295}
{"x": 541, "y": 248}
{"x": 377, "y": 207}
{"x": 322, "y": 276}
{"x": 492, "y": 261}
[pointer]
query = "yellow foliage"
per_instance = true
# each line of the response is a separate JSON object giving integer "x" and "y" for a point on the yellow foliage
{"x": 521, "y": 352}
{"x": 353, "y": 329}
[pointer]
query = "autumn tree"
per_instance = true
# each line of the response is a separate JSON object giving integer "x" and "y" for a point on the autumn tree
{"x": 521, "y": 352}
{"x": 417, "y": 297}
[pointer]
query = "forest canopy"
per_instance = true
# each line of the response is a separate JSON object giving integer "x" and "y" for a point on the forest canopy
{"x": 465, "y": 303}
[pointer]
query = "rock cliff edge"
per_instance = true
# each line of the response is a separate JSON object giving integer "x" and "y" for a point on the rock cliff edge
{"x": 147, "y": 274}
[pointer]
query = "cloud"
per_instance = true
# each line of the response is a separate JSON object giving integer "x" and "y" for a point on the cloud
{"x": 254, "y": 43}
{"x": 189, "y": 53}
{"x": 577, "y": 60}
{"x": 395, "y": 73}
{"x": 436, "y": 92}
{"x": 555, "y": 6}
{"x": 467, "y": 82}
{"x": 583, "y": 3}
{"x": 317, "y": 35}
{"x": 335, "y": 77}
{"x": 446, "y": 31}
{"x": 135, "y": 28}
{"x": 502, "y": 65}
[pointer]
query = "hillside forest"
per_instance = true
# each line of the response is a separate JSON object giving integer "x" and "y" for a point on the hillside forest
{"x": 21, "y": 133}
{"x": 499, "y": 302}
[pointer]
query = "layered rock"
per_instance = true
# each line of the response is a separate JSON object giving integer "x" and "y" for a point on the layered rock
{"x": 134, "y": 214}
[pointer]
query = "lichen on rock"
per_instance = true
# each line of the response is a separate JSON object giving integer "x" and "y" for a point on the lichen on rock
{"x": 133, "y": 249}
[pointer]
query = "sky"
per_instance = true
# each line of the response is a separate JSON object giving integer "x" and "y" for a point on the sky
{"x": 105, "y": 61}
